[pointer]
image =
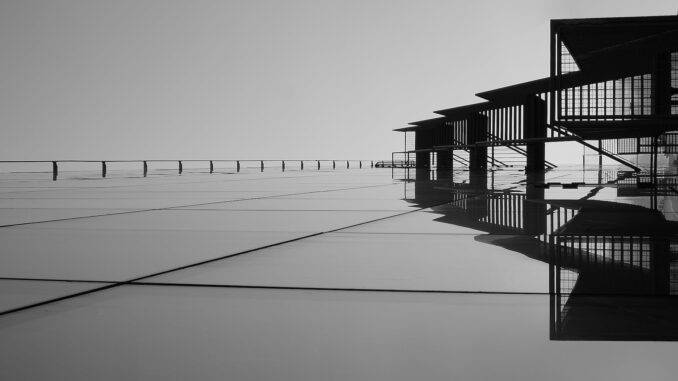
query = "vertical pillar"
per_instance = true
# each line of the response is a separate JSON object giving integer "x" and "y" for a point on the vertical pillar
{"x": 181, "y": 167}
{"x": 211, "y": 166}
{"x": 262, "y": 165}
{"x": 301, "y": 164}
{"x": 445, "y": 160}
{"x": 360, "y": 164}
{"x": 444, "y": 166}
{"x": 655, "y": 152}
{"x": 334, "y": 164}
{"x": 318, "y": 164}
{"x": 237, "y": 166}
{"x": 477, "y": 132}
{"x": 600, "y": 161}
{"x": 534, "y": 122}
{"x": 103, "y": 169}
{"x": 145, "y": 165}
{"x": 534, "y": 213}
{"x": 283, "y": 165}
{"x": 55, "y": 170}
{"x": 662, "y": 84}
{"x": 662, "y": 100}
{"x": 423, "y": 139}
{"x": 346, "y": 164}
{"x": 371, "y": 163}
{"x": 660, "y": 259}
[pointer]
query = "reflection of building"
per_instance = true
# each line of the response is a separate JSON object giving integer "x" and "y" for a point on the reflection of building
{"x": 613, "y": 271}
{"x": 613, "y": 267}
{"x": 613, "y": 87}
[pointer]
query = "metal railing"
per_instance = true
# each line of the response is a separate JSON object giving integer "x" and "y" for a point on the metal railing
{"x": 238, "y": 164}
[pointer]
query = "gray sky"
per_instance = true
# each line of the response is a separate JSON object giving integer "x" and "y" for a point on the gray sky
{"x": 259, "y": 79}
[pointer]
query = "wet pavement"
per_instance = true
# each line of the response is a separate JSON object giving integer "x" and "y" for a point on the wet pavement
{"x": 354, "y": 274}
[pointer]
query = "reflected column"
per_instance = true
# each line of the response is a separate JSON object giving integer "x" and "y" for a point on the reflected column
{"x": 534, "y": 127}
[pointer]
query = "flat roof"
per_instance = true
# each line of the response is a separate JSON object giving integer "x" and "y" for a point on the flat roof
{"x": 466, "y": 109}
{"x": 608, "y": 43}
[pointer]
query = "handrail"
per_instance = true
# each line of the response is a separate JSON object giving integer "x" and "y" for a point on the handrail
{"x": 169, "y": 160}
{"x": 601, "y": 151}
{"x": 104, "y": 167}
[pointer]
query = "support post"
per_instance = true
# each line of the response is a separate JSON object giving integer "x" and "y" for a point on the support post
{"x": 371, "y": 163}
{"x": 534, "y": 213}
{"x": 211, "y": 167}
{"x": 318, "y": 164}
{"x": 145, "y": 168}
{"x": 55, "y": 170}
{"x": 237, "y": 166}
{"x": 301, "y": 162}
{"x": 444, "y": 160}
{"x": 534, "y": 120}
{"x": 347, "y": 164}
{"x": 103, "y": 169}
{"x": 444, "y": 164}
{"x": 262, "y": 165}
{"x": 334, "y": 164}
{"x": 477, "y": 131}
{"x": 600, "y": 161}
{"x": 423, "y": 140}
{"x": 181, "y": 167}
{"x": 283, "y": 165}
{"x": 655, "y": 151}
{"x": 662, "y": 84}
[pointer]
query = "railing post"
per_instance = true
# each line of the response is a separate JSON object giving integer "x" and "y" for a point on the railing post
{"x": 318, "y": 164}
{"x": 262, "y": 165}
{"x": 181, "y": 167}
{"x": 55, "y": 170}
{"x": 211, "y": 166}
{"x": 237, "y": 166}
{"x": 145, "y": 168}
{"x": 334, "y": 164}
{"x": 302, "y": 164}
{"x": 103, "y": 169}
{"x": 283, "y": 165}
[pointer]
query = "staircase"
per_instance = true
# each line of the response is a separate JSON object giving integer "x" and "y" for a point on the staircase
{"x": 564, "y": 132}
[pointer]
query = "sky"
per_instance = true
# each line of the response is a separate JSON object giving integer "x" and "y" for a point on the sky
{"x": 260, "y": 79}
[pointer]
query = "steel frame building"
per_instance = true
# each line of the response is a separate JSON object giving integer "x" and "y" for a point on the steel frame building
{"x": 613, "y": 87}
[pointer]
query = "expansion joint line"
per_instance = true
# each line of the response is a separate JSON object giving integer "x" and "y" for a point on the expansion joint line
{"x": 141, "y": 278}
{"x": 188, "y": 205}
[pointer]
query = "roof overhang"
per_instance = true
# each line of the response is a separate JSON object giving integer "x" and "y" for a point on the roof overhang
{"x": 604, "y": 44}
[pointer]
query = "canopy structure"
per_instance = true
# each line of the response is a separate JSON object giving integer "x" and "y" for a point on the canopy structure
{"x": 611, "y": 79}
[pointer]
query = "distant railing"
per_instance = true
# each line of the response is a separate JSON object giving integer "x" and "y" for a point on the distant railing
{"x": 180, "y": 165}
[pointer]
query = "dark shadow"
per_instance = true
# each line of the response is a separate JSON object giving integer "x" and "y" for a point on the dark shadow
{"x": 613, "y": 267}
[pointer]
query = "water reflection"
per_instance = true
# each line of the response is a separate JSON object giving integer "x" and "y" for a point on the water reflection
{"x": 613, "y": 266}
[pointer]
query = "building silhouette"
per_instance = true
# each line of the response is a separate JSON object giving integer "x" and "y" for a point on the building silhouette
{"x": 613, "y": 266}
{"x": 613, "y": 88}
